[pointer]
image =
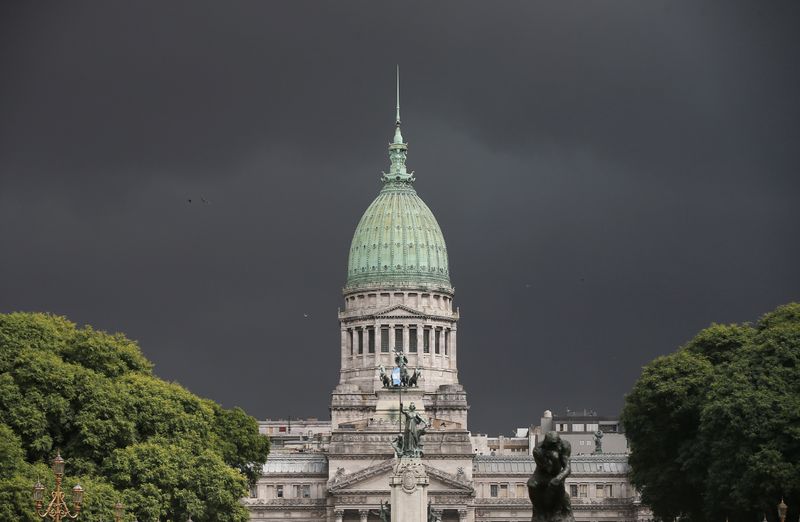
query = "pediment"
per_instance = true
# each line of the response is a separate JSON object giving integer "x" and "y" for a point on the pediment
{"x": 376, "y": 477}
{"x": 347, "y": 481}
{"x": 448, "y": 480}
{"x": 399, "y": 311}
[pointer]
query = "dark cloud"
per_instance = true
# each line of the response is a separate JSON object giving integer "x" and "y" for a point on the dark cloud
{"x": 610, "y": 178}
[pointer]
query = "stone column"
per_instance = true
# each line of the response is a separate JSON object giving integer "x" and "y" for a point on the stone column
{"x": 364, "y": 514}
{"x": 409, "y": 495}
{"x": 345, "y": 355}
{"x": 462, "y": 515}
{"x": 360, "y": 344}
{"x": 453, "y": 361}
{"x": 405, "y": 338}
{"x": 338, "y": 514}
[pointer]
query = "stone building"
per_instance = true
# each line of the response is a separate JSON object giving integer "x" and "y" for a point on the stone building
{"x": 398, "y": 297}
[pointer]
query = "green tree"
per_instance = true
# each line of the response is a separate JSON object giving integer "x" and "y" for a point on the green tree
{"x": 714, "y": 428}
{"x": 127, "y": 435}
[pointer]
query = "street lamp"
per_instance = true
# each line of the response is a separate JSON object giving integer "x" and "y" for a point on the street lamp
{"x": 782, "y": 508}
{"x": 119, "y": 511}
{"x": 57, "y": 509}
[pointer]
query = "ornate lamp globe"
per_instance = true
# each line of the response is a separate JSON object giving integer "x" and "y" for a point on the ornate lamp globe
{"x": 58, "y": 464}
{"x": 77, "y": 494}
{"x": 38, "y": 491}
{"x": 782, "y": 508}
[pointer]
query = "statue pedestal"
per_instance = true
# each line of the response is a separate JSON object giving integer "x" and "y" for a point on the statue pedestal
{"x": 409, "y": 497}
{"x": 387, "y": 408}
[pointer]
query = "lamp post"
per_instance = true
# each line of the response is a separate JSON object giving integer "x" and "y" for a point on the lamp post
{"x": 782, "y": 508}
{"x": 57, "y": 509}
{"x": 119, "y": 511}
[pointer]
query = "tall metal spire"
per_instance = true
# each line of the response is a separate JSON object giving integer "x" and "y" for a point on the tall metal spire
{"x": 398, "y": 148}
{"x": 397, "y": 117}
{"x": 398, "y": 136}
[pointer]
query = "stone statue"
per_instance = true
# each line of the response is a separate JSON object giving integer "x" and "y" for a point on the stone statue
{"x": 339, "y": 475}
{"x": 433, "y": 516}
{"x": 415, "y": 427}
{"x": 546, "y": 485}
{"x": 598, "y": 441}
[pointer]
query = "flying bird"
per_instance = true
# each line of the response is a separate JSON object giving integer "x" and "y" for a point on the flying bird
{"x": 188, "y": 200}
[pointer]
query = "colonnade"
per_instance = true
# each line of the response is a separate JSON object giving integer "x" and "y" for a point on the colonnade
{"x": 364, "y": 515}
{"x": 376, "y": 343}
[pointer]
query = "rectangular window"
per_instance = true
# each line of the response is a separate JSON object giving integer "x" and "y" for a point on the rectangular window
{"x": 600, "y": 491}
{"x": 577, "y": 427}
{"x": 360, "y": 341}
{"x": 521, "y": 491}
{"x": 297, "y": 491}
{"x": 436, "y": 340}
{"x": 254, "y": 491}
{"x": 573, "y": 490}
{"x": 493, "y": 490}
{"x": 426, "y": 340}
{"x": 591, "y": 427}
{"x": 503, "y": 491}
{"x": 412, "y": 340}
{"x": 371, "y": 339}
{"x": 398, "y": 339}
{"x": 350, "y": 340}
{"x": 279, "y": 491}
{"x": 583, "y": 490}
{"x": 446, "y": 340}
{"x": 306, "y": 491}
{"x": 385, "y": 340}
{"x": 609, "y": 491}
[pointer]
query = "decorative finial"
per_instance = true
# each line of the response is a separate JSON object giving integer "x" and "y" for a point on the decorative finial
{"x": 398, "y": 148}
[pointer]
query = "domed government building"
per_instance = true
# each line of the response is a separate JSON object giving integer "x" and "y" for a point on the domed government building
{"x": 398, "y": 297}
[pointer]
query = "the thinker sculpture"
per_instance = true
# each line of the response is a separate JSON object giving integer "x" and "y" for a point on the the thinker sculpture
{"x": 546, "y": 485}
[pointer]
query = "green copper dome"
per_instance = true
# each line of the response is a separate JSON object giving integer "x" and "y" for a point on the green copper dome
{"x": 398, "y": 242}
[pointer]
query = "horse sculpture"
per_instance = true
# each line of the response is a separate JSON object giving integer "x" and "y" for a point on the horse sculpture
{"x": 386, "y": 379}
{"x": 412, "y": 380}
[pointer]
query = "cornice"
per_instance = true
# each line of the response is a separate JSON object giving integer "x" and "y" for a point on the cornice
{"x": 387, "y": 313}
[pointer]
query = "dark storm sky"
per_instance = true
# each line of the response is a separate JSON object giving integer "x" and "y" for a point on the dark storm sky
{"x": 610, "y": 177}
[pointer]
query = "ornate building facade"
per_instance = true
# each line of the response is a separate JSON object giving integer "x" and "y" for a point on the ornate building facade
{"x": 398, "y": 297}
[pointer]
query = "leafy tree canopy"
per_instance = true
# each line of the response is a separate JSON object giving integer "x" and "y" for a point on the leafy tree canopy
{"x": 714, "y": 428}
{"x": 127, "y": 435}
